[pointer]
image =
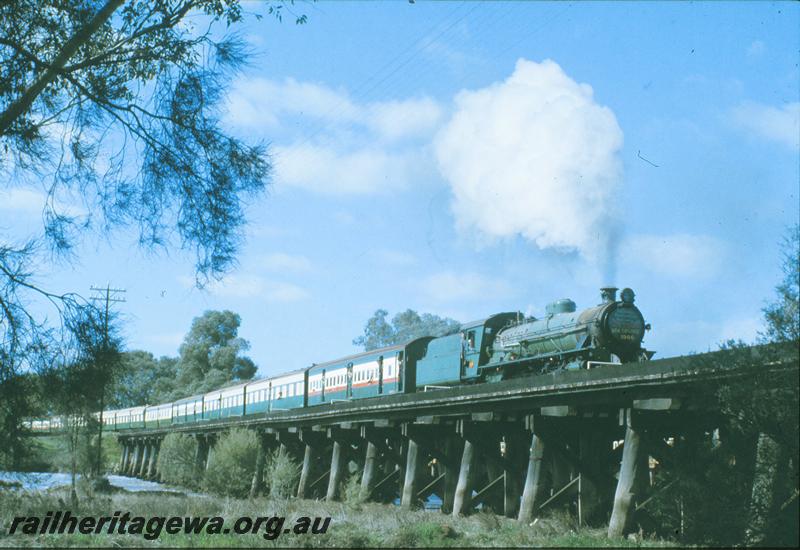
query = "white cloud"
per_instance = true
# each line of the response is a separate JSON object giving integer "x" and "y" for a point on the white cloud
{"x": 280, "y": 261}
{"x": 332, "y": 144}
{"x": 778, "y": 124}
{"x": 30, "y": 201}
{"x": 534, "y": 156}
{"x": 22, "y": 200}
{"x": 260, "y": 103}
{"x": 449, "y": 286}
{"x": 396, "y": 120}
{"x": 330, "y": 170}
{"x": 251, "y": 287}
{"x": 679, "y": 255}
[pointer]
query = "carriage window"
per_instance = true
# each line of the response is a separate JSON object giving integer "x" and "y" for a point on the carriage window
{"x": 471, "y": 339}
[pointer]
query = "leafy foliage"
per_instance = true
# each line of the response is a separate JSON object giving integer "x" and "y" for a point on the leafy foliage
{"x": 77, "y": 388}
{"x": 282, "y": 474}
{"x": 783, "y": 314}
{"x": 142, "y": 379}
{"x": 405, "y": 326}
{"x": 119, "y": 102}
{"x": 176, "y": 460}
{"x": 233, "y": 464}
{"x": 211, "y": 354}
{"x": 111, "y": 110}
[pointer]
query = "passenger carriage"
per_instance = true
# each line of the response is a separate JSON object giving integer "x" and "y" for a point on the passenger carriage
{"x": 287, "y": 391}
{"x": 157, "y": 416}
{"x": 232, "y": 401}
{"x": 257, "y": 396}
{"x": 187, "y": 410}
{"x": 378, "y": 372}
{"x": 212, "y": 403}
{"x": 110, "y": 420}
{"x": 130, "y": 418}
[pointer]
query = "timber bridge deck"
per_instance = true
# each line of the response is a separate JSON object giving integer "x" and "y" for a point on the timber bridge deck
{"x": 586, "y": 439}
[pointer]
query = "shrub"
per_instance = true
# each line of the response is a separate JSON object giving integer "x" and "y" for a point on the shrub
{"x": 176, "y": 460}
{"x": 233, "y": 462}
{"x": 281, "y": 474}
{"x": 351, "y": 490}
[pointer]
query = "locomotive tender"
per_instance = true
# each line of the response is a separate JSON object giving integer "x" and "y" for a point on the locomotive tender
{"x": 501, "y": 346}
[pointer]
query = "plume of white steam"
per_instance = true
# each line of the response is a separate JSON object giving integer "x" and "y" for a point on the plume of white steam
{"x": 535, "y": 156}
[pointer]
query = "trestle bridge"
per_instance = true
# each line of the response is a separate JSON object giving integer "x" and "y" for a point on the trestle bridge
{"x": 588, "y": 439}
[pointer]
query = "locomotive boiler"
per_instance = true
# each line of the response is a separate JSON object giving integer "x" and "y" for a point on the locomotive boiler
{"x": 565, "y": 338}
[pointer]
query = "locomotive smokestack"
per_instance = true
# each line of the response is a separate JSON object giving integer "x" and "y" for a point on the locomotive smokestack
{"x": 608, "y": 294}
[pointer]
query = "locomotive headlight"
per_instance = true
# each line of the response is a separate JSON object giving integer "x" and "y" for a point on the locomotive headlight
{"x": 627, "y": 295}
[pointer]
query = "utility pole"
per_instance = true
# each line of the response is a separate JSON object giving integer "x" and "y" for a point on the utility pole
{"x": 108, "y": 295}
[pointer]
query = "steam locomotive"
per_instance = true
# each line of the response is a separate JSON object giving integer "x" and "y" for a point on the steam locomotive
{"x": 502, "y": 346}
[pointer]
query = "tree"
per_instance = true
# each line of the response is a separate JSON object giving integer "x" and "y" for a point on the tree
{"x": 143, "y": 379}
{"x": 231, "y": 471}
{"x": 115, "y": 104}
{"x": 782, "y": 316}
{"x": 762, "y": 418}
{"x": 211, "y": 354}
{"x": 120, "y": 104}
{"x": 77, "y": 387}
{"x": 405, "y": 326}
{"x": 176, "y": 460}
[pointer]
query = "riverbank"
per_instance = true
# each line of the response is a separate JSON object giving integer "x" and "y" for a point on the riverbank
{"x": 351, "y": 525}
{"x": 50, "y": 453}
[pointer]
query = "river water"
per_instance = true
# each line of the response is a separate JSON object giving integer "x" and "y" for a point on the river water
{"x": 40, "y": 481}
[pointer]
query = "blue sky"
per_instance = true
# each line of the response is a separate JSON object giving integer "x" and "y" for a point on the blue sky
{"x": 466, "y": 158}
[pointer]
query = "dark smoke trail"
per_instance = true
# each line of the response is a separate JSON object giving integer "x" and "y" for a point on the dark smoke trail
{"x": 610, "y": 252}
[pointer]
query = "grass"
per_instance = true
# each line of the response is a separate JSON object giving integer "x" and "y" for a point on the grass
{"x": 352, "y": 526}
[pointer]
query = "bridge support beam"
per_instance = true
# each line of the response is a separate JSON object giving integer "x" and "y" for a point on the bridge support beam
{"x": 305, "y": 472}
{"x": 314, "y": 454}
{"x": 209, "y": 451}
{"x": 200, "y": 455}
{"x": 462, "y": 500}
{"x": 368, "y": 475}
{"x": 629, "y": 483}
{"x": 135, "y": 462}
{"x": 413, "y": 459}
{"x": 337, "y": 464}
{"x": 452, "y": 450}
{"x": 152, "y": 469}
{"x": 533, "y": 479}
{"x": 142, "y": 471}
{"x": 258, "y": 475}
{"x": 123, "y": 457}
{"x": 770, "y": 460}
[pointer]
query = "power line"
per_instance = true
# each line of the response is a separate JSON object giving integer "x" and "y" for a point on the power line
{"x": 112, "y": 295}
{"x": 423, "y": 43}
